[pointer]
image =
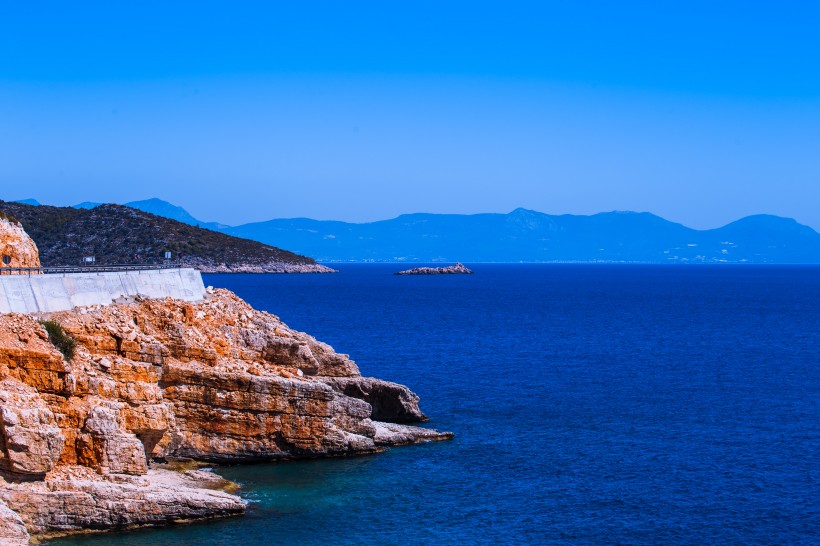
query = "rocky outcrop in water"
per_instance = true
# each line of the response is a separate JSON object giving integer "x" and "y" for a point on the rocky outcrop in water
{"x": 458, "y": 269}
{"x": 82, "y": 441}
{"x": 16, "y": 247}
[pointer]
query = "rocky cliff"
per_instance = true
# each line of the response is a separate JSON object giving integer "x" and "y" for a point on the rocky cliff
{"x": 86, "y": 443}
{"x": 16, "y": 247}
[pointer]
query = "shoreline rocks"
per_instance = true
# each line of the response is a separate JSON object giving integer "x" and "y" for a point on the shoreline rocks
{"x": 76, "y": 499}
{"x": 82, "y": 442}
{"x": 271, "y": 267}
{"x": 457, "y": 269}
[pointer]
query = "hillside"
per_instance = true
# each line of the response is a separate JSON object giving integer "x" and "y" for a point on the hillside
{"x": 115, "y": 234}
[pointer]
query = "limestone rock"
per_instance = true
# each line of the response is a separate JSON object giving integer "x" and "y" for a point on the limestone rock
{"x": 154, "y": 380}
{"x": 231, "y": 415}
{"x": 30, "y": 441}
{"x": 103, "y": 443}
{"x": 17, "y": 246}
{"x": 27, "y": 355}
{"x": 389, "y": 401}
{"x": 13, "y": 531}
{"x": 76, "y": 499}
{"x": 396, "y": 434}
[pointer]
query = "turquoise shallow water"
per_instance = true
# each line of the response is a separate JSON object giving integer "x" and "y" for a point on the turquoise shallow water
{"x": 591, "y": 404}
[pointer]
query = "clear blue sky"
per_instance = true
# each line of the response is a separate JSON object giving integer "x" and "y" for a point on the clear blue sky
{"x": 701, "y": 112}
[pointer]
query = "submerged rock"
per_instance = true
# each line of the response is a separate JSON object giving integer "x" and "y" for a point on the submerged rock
{"x": 458, "y": 269}
{"x": 159, "y": 380}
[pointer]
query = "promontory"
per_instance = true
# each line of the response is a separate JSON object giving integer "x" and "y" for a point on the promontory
{"x": 100, "y": 404}
{"x": 115, "y": 234}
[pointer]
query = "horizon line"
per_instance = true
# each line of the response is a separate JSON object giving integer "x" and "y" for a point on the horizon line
{"x": 524, "y": 209}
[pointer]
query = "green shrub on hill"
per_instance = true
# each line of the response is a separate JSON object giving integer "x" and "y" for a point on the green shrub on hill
{"x": 60, "y": 338}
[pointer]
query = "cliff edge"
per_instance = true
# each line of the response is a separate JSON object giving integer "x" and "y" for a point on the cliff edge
{"x": 83, "y": 439}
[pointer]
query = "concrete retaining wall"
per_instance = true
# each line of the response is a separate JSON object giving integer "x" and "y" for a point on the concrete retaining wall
{"x": 61, "y": 292}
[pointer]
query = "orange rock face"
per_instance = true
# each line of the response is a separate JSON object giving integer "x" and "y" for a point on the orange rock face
{"x": 158, "y": 379}
{"x": 16, "y": 247}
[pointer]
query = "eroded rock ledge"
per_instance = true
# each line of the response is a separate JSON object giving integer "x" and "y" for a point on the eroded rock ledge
{"x": 154, "y": 380}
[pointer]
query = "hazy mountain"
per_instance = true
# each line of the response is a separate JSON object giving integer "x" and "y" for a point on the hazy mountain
{"x": 153, "y": 206}
{"x": 87, "y": 205}
{"x": 529, "y": 236}
{"x": 169, "y": 210}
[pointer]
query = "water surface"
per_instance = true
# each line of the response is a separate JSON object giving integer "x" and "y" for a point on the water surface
{"x": 591, "y": 404}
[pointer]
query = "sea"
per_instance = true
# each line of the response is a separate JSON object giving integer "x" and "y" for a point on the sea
{"x": 591, "y": 404}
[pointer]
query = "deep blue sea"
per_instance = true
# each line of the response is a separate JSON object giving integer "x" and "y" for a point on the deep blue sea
{"x": 592, "y": 404}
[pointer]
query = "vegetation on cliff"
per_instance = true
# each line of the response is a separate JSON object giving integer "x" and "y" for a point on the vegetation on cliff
{"x": 8, "y": 217}
{"x": 115, "y": 234}
{"x": 59, "y": 338}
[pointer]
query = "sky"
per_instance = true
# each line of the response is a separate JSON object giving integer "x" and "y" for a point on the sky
{"x": 700, "y": 112}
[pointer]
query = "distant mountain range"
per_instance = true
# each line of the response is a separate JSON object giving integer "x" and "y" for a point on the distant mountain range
{"x": 525, "y": 236}
{"x": 529, "y": 236}
{"x": 167, "y": 210}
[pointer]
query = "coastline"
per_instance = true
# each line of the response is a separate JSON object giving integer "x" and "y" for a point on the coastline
{"x": 276, "y": 267}
{"x": 157, "y": 381}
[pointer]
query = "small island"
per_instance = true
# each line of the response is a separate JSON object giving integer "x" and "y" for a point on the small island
{"x": 457, "y": 269}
